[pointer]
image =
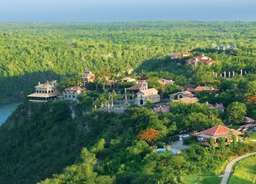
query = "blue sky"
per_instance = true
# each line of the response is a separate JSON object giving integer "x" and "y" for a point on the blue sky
{"x": 126, "y": 10}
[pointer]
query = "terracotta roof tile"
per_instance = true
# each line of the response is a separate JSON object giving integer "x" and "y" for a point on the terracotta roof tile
{"x": 249, "y": 120}
{"x": 136, "y": 87}
{"x": 151, "y": 91}
{"x": 208, "y": 88}
{"x": 219, "y": 131}
{"x": 184, "y": 93}
{"x": 187, "y": 100}
{"x": 162, "y": 109}
{"x": 166, "y": 82}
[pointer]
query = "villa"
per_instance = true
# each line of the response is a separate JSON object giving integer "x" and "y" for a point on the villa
{"x": 166, "y": 82}
{"x": 179, "y": 56}
{"x": 183, "y": 94}
{"x": 187, "y": 100}
{"x": 144, "y": 95}
{"x": 127, "y": 79}
{"x": 142, "y": 85}
{"x": 72, "y": 93}
{"x": 218, "y": 106}
{"x": 205, "y": 88}
{"x": 228, "y": 47}
{"x": 200, "y": 59}
{"x": 88, "y": 77}
{"x": 161, "y": 109}
{"x": 44, "y": 92}
{"x": 216, "y": 133}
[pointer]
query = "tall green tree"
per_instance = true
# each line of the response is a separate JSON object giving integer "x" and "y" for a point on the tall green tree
{"x": 236, "y": 112}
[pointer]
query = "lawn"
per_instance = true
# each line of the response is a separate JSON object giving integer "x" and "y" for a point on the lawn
{"x": 244, "y": 171}
{"x": 200, "y": 179}
{"x": 252, "y": 135}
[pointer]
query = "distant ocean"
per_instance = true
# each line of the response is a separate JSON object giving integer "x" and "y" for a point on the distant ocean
{"x": 112, "y": 17}
{"x": 237, "y": 12}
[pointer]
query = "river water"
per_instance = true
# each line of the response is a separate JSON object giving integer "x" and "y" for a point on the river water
{"x": 6, "y": 110}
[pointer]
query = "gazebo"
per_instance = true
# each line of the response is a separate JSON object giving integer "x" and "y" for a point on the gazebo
{"x": 216, "y": 133}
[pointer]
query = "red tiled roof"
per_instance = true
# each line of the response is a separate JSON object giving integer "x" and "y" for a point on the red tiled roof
{"x": 184, "y": 93}
{"x": 190, "y": 88}
{"x": 219, "y": 106}
{"x": 208, "y": 88}
{"x": 162, "y": 109}
{"x": 203, "y": 59}
{"x": 153, "y": 96}
{"x": 187, "y": 100}
{"x": 249, "y": 120}
{"x": 149, "y": 92}
{"x": 219, "y": 131}
{"x": 166, "y": 82}
{"x": 133, "y": 88}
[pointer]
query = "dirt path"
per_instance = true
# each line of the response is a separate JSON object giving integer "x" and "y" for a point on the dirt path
{"x": 228, "y": 169}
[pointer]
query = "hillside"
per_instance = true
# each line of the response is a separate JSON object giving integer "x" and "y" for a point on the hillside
{"x": 40, "y": 140}
{"x": 32, "y": 52}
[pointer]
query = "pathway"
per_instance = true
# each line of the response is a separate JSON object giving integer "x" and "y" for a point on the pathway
{"x": 230, "y": 165}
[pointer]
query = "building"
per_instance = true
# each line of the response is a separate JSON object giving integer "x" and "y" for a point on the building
{"x": 218, "y": 106}
{"x": 179, "y": 56}
{"x": 44, "y": 92}
{"x": 72, "y": 93}
{"x": 142, "y": 85}
{"x": 166, "y": 82}
{"x": 205, "y": 88}
{"x": 188, "y": 87}
{"x": 187, "y": 100}
{"x": 88, "y": 77}
{"x": 161, "y": 109}
{"x": 183, "y": 94}
{"x": 216, "y": 133}
{"x": 228, "y": 47}
{"x": 127, "y": 79}
{"x": 144, "y": 95}
{"x": 200, "y": 59}
{"x": 249, "y": 120}
{"x": 112, "y": 84}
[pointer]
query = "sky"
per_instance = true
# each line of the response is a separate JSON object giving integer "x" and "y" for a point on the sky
{"x": 125, "y": 10}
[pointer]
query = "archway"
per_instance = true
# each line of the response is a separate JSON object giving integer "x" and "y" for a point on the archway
{"x": 141, "y": 102}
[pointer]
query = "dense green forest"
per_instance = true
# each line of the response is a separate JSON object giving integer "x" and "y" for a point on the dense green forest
{"x": 32, "y": 52}
{"x": 41, "y": 142}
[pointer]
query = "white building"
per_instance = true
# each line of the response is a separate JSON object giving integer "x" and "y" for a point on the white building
{"x": 143, "y": 95}
{"x": 72, "y": 93}
{"x": 183, "y": 94}
{"x": 44, "y": 92}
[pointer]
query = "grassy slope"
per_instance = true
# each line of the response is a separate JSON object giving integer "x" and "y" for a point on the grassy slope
{"x": 244, "y": 171}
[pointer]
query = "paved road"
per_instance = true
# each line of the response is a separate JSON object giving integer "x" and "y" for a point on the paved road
{"x": 230, "y": 165}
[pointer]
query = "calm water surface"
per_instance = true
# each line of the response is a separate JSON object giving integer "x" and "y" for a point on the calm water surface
{"x": 6, "y": 110}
